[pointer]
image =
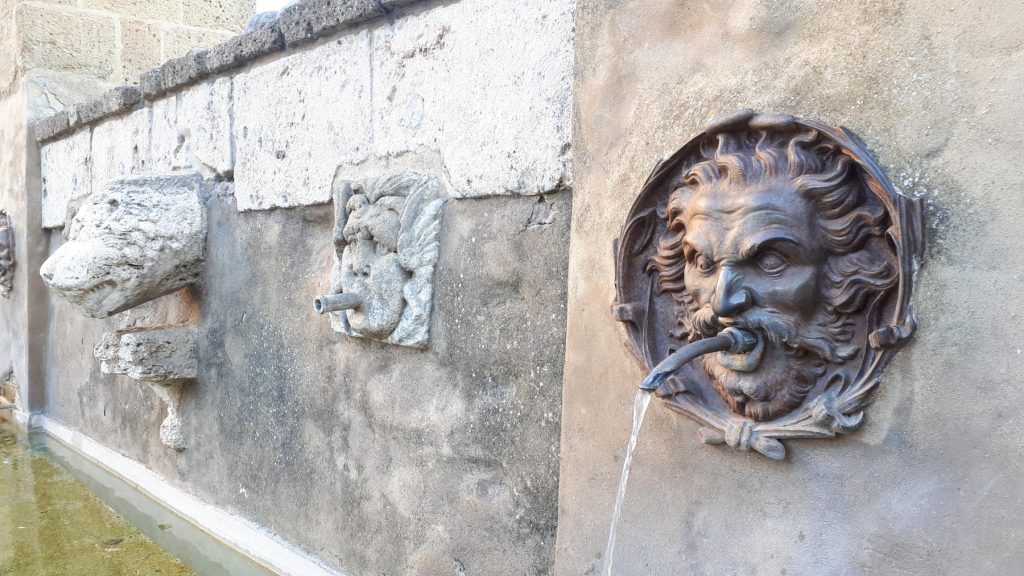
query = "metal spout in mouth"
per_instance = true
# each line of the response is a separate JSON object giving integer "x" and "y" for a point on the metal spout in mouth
{"x": 731, "y": 339}
{"x": 337, "y": 302}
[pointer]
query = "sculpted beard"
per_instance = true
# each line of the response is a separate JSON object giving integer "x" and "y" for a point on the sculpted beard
{"x": 807, "y": 346}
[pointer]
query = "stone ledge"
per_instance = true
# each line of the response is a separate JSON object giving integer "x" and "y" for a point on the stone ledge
{"x": 180, "y": 72}
{"x": 298, "y": 24}
{"x": 244, "y": 48}
{"x": 307, "y": 21}
{"x": 52, "y": 126}
{"x": 115, "y": 100}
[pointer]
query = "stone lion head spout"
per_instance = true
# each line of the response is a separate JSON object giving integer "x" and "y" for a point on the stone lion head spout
{"x": 135, "y": 240}
{"x": 776, "y": 232}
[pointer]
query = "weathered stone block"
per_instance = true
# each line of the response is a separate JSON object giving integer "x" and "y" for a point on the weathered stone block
{"x": 51, "y": 126}
{"x": 80, "y": 42}
{"x": 193, "y": 129}
{"x": 166, "y": 147}
{"x": 140, "y": 47}
{"x": 312, "y": 19}
{"x": 113, "y": 101}
{"x": 151, "y": 83}
{"x": 159, "y": 10}
{"x": 163, "y": 357}
{"x": 386, "y": 245}
{"x": 229, "y": 15}
{"x": 66, "y": 175}
{"x": 135, "y": 240}
{"x": 185, "y": 70}
{"x": 180, "y": 40}
{"x": 297, "y": 119}
{"x": 246, "y": 47}
{"x": 151, "y": 354}
{"x": 8, "y": 45}
{"x": 120, "y": 146}
{"x": 500, "y": 116}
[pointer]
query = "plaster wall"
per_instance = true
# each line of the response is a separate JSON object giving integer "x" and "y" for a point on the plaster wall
{"x": 378, "y": 459}
{"x": 930, "y": 484}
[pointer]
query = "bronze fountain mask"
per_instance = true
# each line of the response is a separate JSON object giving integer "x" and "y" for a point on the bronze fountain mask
{"x": 785, "y": 230}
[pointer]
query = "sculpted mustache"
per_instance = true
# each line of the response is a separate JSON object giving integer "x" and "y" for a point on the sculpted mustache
{"x": 778, "y": 331}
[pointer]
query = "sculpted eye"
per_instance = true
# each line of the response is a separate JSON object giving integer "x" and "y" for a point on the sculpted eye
{"x": 704, "y": 264}
{"x": 771, "y": 263}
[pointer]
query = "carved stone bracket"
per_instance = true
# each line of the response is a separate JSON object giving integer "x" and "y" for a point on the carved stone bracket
{"x": 786, "y": 228}
{"x": 135, "y": 240}
{"x": 7, "y": 262}
{"x": 162, "y": 357}
{"x": 386, "y": 245}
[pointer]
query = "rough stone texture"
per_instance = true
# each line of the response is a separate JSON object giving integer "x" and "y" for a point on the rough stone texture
{"x": 141, "y": 47}
{"x": 386, "y": 253}
{"x": 184, "y": 70}
{"x": 297, "y": 119}
{"x": 135, "y": 240}
{"x": 120, "y": 147}
{"x": 385, "y": 459}
{"x": 160, "y": 10}
{"x": 52, "y": 126}
{"x": 163, "y": 357}
{"x": 67, "y": 175}
{"x": 81, "y": 42}
{"x": 220, "y": 14}
{"x": 151, "y": 83}
{"x": 9, "y": 45}
{"x": 246, "y": 47}
{"x": 930, "y": 485}
{"x": 192, "y": 129}
{"x": 113, "y": 101}
{"x": 158, "y": 354}
{"x": 498, "y": 115}
{"x": 179, "y": 40}
{"x": 312, "y": 19}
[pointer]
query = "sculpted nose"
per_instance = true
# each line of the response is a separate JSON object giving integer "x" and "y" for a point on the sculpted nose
{"x": 730, "y": 297}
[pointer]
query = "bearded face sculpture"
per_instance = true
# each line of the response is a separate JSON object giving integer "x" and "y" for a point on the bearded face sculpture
{"x": 788, "y": 230}
{"x": 135, "y": 240}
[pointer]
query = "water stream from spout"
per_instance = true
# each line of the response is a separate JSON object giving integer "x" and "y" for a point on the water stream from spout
{"x": 643, "y": 399}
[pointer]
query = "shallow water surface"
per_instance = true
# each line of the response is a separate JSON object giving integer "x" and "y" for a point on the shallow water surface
{"x": 50, "y": 524}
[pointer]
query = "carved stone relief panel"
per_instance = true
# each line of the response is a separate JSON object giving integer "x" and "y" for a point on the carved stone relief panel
{"x": 163, "y": 357}
{"x": 7, "y": 263}
{"x": 135, "y": 240}
{"x": 788, "y": 230}
{"x": 386, "y": 245}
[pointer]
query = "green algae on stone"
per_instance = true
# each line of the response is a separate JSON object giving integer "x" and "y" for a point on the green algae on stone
{"x": 51, "y": 525}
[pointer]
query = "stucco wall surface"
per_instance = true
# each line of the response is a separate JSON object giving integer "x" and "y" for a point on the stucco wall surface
{"x": 378, "y": 459}
{"x": 930, "y": 484}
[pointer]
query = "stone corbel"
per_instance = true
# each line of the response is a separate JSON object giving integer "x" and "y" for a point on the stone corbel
{"x": 164, "y": 357}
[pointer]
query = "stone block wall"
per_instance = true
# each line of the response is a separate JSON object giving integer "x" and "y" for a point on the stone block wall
{"x": 74, "y": 49}
{"x": 374, "y": 457}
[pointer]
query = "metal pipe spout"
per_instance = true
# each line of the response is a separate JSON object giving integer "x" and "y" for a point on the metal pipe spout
{"x": 731, "y": 339}
{"x": 337, "y": 302}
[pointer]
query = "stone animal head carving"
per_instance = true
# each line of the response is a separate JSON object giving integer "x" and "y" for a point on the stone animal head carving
{"x": 386, "y": 245}
{"x": 7, "y": 263}
{"x": 785, "y": 229}
{"x": 137, "y": 239}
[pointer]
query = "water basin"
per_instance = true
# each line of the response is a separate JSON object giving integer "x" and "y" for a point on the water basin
{"x": 51, "y": 524}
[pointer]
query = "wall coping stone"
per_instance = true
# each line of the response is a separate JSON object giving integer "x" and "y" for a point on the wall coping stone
{"x": 297, "y": 24}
